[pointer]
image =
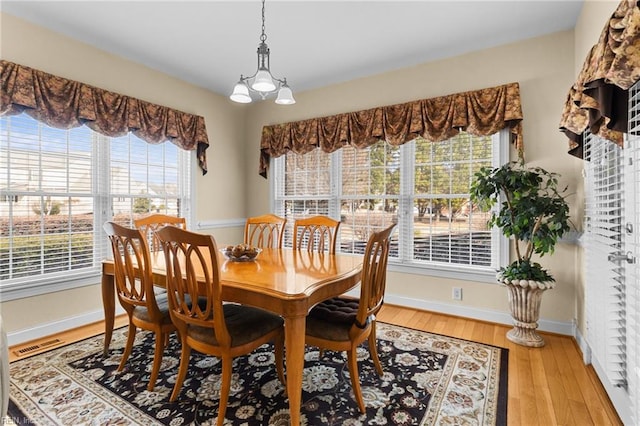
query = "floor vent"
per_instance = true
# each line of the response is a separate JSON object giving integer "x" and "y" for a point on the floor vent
{"x": 27, "y": 350}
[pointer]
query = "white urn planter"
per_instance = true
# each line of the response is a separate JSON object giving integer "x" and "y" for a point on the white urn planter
{"x": 524, "y": 302}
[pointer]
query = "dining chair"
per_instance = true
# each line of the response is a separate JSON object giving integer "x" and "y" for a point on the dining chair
{"x": 134, "y": 286}
{"x": 224, "y": 330}
{"x": 264, "y": 231}
{"x": 343, "y": 323}
{"x": 317, "y": 233}
{"x": 148, "y": 225}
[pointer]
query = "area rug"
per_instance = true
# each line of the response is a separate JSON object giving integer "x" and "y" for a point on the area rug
{"x": 429, "y": 379}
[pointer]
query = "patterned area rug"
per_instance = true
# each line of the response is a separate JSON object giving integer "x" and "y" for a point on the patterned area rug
{"x": 429, "y": 379}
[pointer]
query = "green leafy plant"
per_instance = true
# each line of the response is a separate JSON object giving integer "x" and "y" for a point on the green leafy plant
{"x": 533, "y": 212}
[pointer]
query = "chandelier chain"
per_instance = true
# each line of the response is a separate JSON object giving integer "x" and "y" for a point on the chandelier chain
{"x": 263, "y": 37}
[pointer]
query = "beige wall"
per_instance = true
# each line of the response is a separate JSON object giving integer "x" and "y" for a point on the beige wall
{"x": 544, "y": 67}
{"x": 34, "y": 46}
{"x": 591, "y": 22}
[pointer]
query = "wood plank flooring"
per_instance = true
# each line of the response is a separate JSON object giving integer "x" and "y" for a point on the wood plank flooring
{"x": 547, "y": 386}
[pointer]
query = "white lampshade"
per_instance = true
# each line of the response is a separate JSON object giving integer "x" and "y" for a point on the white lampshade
{"x": 285, "y": 96}
{"x": 263, "y": 82}
{"x": 240, "y": 93}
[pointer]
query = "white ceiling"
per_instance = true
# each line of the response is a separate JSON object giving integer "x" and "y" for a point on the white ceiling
{"x": 313, "y": 43}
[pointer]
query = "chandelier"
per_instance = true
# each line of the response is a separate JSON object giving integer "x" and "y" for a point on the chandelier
{"x": 262, "y": 82}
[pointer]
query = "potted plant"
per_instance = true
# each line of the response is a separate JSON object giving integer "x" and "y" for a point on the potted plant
{"x": 533, "y": 212}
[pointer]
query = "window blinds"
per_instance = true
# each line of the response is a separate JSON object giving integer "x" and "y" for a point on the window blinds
{"x": 422, "y": 186}
{"x": 447, "y": 228}
{"x": 605, "y": 279}
{"x": 57, "y": 188}
{"x": 305, "y": 190}
{"x": 46, "y": 199}
{"x": 612, "y": 249}
{"x": 632, "y": 176}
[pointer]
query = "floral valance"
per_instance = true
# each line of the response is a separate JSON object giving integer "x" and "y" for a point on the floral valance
{"x": 599, "y": 98}
{"x": 480, "y": 112}
{"x": 63, "y": 103}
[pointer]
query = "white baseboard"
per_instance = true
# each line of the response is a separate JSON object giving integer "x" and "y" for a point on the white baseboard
{"x": 43, "y": 330}
{"x": 583, "y": 345}
{"x": 559, "y": 327}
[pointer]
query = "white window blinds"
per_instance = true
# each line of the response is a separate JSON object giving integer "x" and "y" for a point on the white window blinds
{"x": 58, "y": 187}
{"x": 612, "y": 272}
{"x": 305, "y": 189}
{"x": 46, "y": 199}
{"x": 446, "y": 227}
{"x": 604, "y": 197}
{"x": 422, "y": 186}
{"x": 632, "y": 178}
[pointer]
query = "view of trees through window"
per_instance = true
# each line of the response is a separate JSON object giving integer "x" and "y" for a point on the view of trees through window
{"x": 58, "y": 186}
{"x": 422, "y": 186}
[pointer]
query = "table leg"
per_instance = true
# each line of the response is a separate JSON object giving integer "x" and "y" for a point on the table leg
{"x": 109, "y": 306}
{"x": 294, "y": 343}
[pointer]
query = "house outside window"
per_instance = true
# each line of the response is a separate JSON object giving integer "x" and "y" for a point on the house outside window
{"x": 58, "y": 187}
{"x": 422, "y": 186}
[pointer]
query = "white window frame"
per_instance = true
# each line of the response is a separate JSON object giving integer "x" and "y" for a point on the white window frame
{"x": 454, "y": 271}
{"x": 18, "y": 288}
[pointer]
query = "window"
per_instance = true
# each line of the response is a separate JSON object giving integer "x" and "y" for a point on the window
{"x": 422, "y": 186}
{"x": 57, "y": 188}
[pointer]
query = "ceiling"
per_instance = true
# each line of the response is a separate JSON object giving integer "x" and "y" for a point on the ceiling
{"x": 313, "y": 43}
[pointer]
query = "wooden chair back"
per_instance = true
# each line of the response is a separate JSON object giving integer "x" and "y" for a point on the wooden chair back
{"x": 374, "y": 275}
{"x": 264, "y": 231}
{"x": 317, "y": 233}
{"x": 132, "y": 269}
{"x": 193, "y": 275}
{"x": 343, "y": 323}
{"x": 148, "y": 225}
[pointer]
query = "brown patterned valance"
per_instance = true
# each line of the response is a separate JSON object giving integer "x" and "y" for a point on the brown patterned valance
{"x": 63, "y": 103}
{"x": 481, "y": 112}
{"x": 599, "y": 98}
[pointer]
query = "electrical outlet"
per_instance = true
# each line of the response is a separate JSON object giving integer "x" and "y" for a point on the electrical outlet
{"x": 456, "y": 293}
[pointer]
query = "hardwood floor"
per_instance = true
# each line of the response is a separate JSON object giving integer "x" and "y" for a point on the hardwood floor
{"x": 27, "y": 349}
{"x": 547, "y": 386}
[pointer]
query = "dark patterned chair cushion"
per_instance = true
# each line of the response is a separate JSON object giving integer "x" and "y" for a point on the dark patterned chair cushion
{"x": 142, "y": 313}
{"x": 162, "y": 301}
{"x": 336, "y": 310}
{"x": 332, "y": 319}
{"x": 244, "y": 323}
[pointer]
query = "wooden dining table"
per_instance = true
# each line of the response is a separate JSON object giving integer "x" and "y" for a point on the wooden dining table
{"x": 284, "y": 281}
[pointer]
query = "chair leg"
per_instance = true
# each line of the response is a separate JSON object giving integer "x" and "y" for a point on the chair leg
{"x": 182, "y": 371}
{"x": 225, "y": 387}
{"x": 373, "y": 349}
{"x": 157, "y": 359}
{"x": 129, "y": 346}
{"x": 279, "y": 344}
{"x": 352, "y": 359}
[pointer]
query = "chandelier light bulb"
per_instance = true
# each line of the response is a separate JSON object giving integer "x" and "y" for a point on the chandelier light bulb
{"x": 240, "y": 93}
{"x": 285, "y": 96}
{"x": 263, "y": 82}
